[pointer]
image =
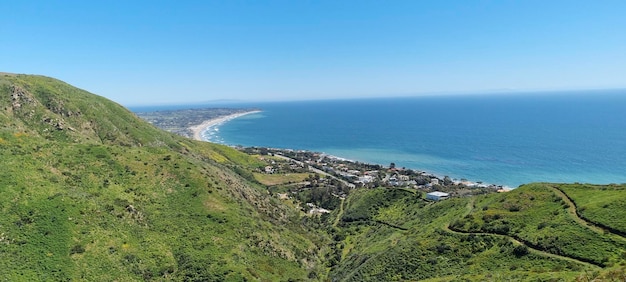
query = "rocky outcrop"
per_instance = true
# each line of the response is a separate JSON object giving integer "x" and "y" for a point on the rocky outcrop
{"x": 20, "y": 97}
{"x": 58, "y": 107}
{"x": 24, "y": 103}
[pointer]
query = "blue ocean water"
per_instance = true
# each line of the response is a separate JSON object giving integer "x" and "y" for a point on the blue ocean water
{"x": 507, "y": 139}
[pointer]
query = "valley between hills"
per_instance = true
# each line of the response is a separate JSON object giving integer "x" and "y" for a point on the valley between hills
{"x": 91, "y": 192}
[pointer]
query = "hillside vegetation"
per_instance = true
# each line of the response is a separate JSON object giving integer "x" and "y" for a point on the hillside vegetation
{"x": 601, "y": 205}
{"x": 530, "y": 233}
{"x": 90, "y": 192}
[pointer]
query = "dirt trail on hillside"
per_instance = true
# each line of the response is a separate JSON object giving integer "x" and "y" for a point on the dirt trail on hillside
{"x": 470, "y": 207}
{"x": 573, "y": 210}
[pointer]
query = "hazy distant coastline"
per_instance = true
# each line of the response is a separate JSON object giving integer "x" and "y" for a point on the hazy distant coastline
{"x": 207, "y": 124}
{"x": 182, "y": 121}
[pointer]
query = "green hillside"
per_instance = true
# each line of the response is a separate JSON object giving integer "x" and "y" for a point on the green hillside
{"x": 604, "y": 206}
{"x": 90, "y": 192}
{"x": 531, "y": 233}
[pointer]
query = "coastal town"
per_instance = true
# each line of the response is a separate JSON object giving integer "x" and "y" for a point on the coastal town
{"x": 326, "y": 179}
{"x": 187, "y": 122}
{"x": 316, "y": 181}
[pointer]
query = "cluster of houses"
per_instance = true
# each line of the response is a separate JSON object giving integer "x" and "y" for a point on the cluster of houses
{"x": 350, "y": 174}
{"x": 283, "y": 167}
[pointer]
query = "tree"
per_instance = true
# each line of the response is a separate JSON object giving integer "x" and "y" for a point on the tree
{"x": 422, "y": 180}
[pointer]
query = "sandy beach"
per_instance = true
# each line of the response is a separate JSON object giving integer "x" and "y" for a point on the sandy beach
{"x": 198, "y": 129}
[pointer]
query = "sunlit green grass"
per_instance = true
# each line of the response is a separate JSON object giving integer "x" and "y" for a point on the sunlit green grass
{"x": 115, "y": 199}
{"x": 536, "y": 214}
{"x": 276, "y": 179}
{"x": 602, "y": 204}
{"x": 376, "y": 252}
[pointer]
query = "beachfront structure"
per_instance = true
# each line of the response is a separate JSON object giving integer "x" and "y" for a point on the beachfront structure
{"x": 436, "y": 196}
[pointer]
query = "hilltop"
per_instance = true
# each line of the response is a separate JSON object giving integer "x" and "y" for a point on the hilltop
{"x": 89, "y": 191}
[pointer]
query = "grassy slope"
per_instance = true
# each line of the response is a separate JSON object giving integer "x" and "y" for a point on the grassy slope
{"x": 537, "y": 215}
{"x": 276, "y": 179}
{"x": 105, "y": 196}
{"x": 605, "y": 205}
{"x": 371, "y": 243}
{"x": 44, "y": 103}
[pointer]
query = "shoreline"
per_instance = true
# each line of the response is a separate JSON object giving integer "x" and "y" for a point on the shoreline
{"x": 359, "y": 174}
{"x": 198, "y": 129}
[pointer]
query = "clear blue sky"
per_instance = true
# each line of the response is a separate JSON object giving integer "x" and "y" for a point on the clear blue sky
{"x": 156, "y": 52}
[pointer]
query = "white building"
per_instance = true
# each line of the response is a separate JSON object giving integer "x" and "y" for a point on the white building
{"x": 318, "y": 211}
{"x": 436, "y": 196}
{"x": 365, "y": 179}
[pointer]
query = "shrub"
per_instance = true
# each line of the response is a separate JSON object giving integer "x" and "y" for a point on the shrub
{"x": 77, "y": 249}
{"x": 514, "y": 208}
{"x": 520, "y": 251}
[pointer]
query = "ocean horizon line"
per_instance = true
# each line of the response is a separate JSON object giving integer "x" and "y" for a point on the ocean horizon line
{"x": 507, "y": 141}
{"x": 443, "y": 94}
